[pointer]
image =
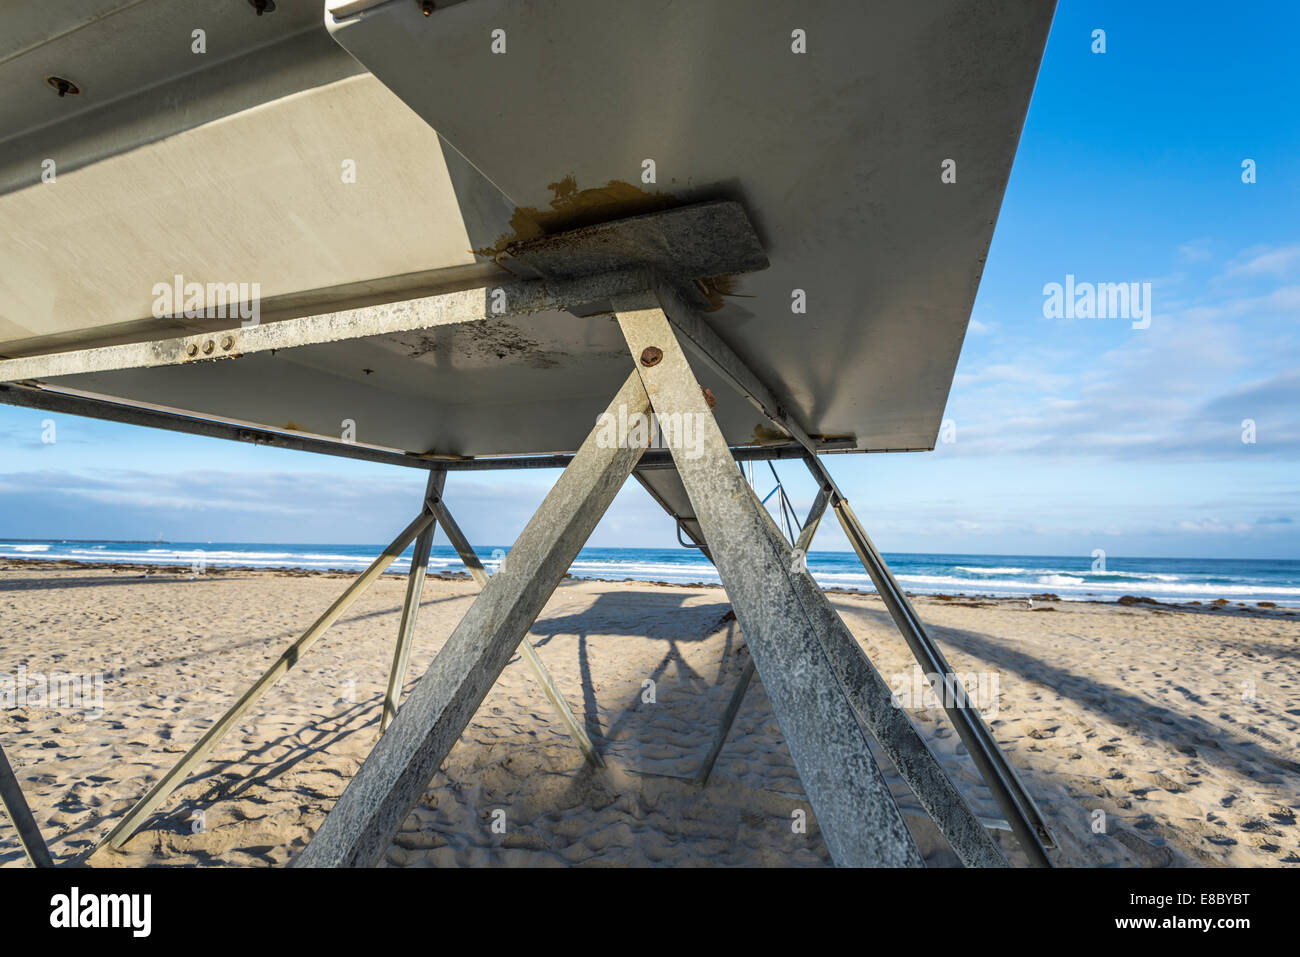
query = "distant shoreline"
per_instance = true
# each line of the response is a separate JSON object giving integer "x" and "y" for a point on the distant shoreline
{"x": 957, "y": 599}
{"x": 816, "y": 551}
{"x": 88, "y": 541}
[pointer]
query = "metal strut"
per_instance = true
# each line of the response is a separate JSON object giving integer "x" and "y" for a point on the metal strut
{"x": 855, "y": 810}
{"x": 411, "y": 605}
{"x": 288, "y": 658}
{"x": 1021, "y": 812}
{"x": 361, "y": 825}
{"x": 29, "y": 834}
{"x": 549, "y": 688}
{"x": 816, "y": 675}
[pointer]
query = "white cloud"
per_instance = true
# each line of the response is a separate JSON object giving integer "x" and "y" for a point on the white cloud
{"x": 1277, "y": 262}
{"x": 1196, "y": 251}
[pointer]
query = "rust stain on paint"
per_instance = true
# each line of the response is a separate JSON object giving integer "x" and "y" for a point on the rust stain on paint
{"x": 573, "y": 208}
{"x": 765, "y": 435}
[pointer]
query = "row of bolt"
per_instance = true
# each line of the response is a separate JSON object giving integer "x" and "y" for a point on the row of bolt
{"x": 227, "y": 343}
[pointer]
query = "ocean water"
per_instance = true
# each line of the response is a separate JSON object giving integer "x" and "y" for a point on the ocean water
{"x": 1069, "y": 577}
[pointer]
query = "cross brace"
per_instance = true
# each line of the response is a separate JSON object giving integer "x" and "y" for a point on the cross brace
{"x": 361, "y": 825}
{"x": 279, "y": 668}
{"x": 1013, "y": 798}
{"x": 475, "y": 568}
{"x": 29, "y": 834}
{"x": 815, "y": 674}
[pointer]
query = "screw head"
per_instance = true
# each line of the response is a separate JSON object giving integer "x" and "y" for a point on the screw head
{"x": 208, "y": 347}
{"x": 191, "y": 350}
{"x": 227, "y": 343}
{"x": 651, "y": 356}
{"x": 64, "y": 87}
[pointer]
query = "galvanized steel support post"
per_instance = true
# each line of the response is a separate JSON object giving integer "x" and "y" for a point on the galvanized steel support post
{"x": 857, "y": 814}
{"x": 361, "y": 825}
{"x": 549, "y": 688}
{"x": 411, "y": 605}
{"x": 1021, "y": 812}
{"x": 729, "y": 716}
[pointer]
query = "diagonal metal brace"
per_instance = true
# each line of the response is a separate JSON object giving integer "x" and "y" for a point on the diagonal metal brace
{"x": 1013, "y": 798}
{"x": 411, "y": 605}
{"x": 549, "y": 688}
{"x": 29, "y": 834}
{"x": 361, "y": 825}
{"x": 804, "y": 542}
{"x": 857, "y": 814}
{"x": 288, "y": 658}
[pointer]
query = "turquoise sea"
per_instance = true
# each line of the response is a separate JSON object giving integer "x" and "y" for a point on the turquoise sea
{"x": 1068, "y": 576}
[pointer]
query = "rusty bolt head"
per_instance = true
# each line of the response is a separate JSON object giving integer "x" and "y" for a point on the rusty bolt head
{"x": 208, "y": 347}
{"x": 708, "y": 397}
{"x": 62, "y": 86}
{"x": 191, "y": 350}
{"x": 651, "y": 356}
{"x": 227, "y": 343}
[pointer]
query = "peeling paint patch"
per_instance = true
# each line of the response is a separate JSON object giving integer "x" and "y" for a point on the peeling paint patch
{"x": 764, "y": 435}
{"x": 572, "y": 208}
{"x": 492, "y": 340}
{"x": 505, "y": 341}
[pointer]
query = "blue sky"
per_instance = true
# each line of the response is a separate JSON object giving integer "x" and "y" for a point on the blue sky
{"x": 1070, "y": 434}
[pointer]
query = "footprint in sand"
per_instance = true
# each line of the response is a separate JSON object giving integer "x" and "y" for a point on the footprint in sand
{"x": 1148, "y": 855}
{"x": 1282, "y": 815}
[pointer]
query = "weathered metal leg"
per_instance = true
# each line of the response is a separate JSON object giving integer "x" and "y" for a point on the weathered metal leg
{"x": 359, "y": 829}
{"x": 411, "y": 606}
{"x": 706, "y": 345}
{"x": 290, "y": 657}
{"x": 29, "y": 835}
{"x": 468, "y": 557}
{"x": 813, "y": 520}
{"x": 1022, "y": 814}
{"x": 724, "y": 726}
{"x": 549, "y": 687}
{"x": 888, "y": 723}
{"x": 747, "y": 675}
{"x": 857, "y": 814}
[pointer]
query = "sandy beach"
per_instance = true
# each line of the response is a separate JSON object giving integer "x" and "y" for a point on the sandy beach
{"x": 1150, "y": 735}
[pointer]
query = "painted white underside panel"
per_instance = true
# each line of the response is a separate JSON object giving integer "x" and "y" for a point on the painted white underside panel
{"x": 227, "y": 174}
{"x": 254, "y": 197}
